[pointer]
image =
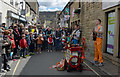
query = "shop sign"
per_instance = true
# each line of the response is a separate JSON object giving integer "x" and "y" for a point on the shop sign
{"x": 22, "y": 19}
{"x": 14, "y": 16}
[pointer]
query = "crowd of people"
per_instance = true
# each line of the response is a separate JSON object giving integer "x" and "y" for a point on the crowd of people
{"x": 20, "y": 41}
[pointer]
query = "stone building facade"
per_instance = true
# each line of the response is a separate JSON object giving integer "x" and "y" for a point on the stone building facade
{"x": 85, "y": 14}
{"x": 88, "y": 13}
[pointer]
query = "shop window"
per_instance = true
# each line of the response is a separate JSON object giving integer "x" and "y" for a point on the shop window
{"x": 110, "y": 32}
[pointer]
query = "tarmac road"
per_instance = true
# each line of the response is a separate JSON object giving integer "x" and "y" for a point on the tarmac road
{"x": 39, "y": 64}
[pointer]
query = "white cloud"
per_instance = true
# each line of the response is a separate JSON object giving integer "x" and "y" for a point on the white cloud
{"x": 56, "y": 9}
{"x": 50, "y": 5}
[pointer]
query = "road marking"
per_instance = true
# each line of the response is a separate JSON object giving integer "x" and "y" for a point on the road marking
{"x": 92, "y": 69}
{"x": 15, "y": 68}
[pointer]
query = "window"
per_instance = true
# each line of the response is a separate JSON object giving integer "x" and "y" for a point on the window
{"x": 16, "y": 4}
{"x": 11, "y": 2}
{"x": 110, "y": 32}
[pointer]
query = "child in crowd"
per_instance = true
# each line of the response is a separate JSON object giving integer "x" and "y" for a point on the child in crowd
{"x": 50, "y": 43}
{"x": 23, "y": 45}
{"x": 28, "y": 41}
{"x": 63, "y": 42}
{"x": 13, "y": 46}
{"x": 39, "y": 40}
{"x": 32, "y": 44}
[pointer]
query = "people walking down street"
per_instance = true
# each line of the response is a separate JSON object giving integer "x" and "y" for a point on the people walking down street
{"x": 16, "y": 38}
{"x": 75, "y": 35}
{"x": 39, "y": 40}
{"x": 23, "y": 45}
{"x": 58, "y": 39}
{"x": 50, "y": 43}
{"x": 98, "y": 38}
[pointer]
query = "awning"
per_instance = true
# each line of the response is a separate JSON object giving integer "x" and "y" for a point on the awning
{"x": 13, "y": 15}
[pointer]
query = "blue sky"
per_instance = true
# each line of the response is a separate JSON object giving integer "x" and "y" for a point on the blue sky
{"x": 52, "y": 5}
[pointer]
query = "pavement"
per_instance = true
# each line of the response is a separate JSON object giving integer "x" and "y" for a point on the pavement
{"x": 109, "y": 68}
{"x": 39, "y": 64}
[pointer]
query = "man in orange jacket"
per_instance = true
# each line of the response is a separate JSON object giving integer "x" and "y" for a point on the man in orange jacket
{"x": 98, "y": 43}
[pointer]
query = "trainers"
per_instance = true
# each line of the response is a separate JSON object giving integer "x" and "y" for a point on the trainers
{"x": 51, "y": 51}
{"x": 95, "y": 62}
{"x": 48, "y": 50}
{"x": 100, "y": 65}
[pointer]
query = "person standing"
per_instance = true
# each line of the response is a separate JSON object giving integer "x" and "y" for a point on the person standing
{"x": 50, "y": 43}
{"x": 23, "y": 45}
{"x": 1, "y": 43}
{"x": 16, "y": 38}
{"x": 39, "y": 40}
{"x": 98, "y": 31}
{"x": 57, "y": 39}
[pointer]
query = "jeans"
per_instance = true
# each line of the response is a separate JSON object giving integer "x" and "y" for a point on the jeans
{"x": 22, "y": 52}
{"x": 50, "y": 47}
{"x": 74, "y": 41}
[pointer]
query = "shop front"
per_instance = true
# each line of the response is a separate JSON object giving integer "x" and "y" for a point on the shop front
{"x": 111, "y": 43}
{"x": 12, "y": 18}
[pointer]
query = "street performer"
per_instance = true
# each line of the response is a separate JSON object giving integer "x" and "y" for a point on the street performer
{"x": 98, "y": 38}
{"x": 75, "y": 35}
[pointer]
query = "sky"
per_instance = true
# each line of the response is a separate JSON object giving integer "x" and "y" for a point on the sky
{"x": 52, "y": 5}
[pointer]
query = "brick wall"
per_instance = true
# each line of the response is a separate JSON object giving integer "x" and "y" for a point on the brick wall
{"x": 90, "y": 12}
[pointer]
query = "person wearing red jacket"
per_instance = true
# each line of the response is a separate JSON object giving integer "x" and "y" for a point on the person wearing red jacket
{"x": 50, "y": 43}
{"x": 11, "y": 37}
{"x": 23, "y": 45}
